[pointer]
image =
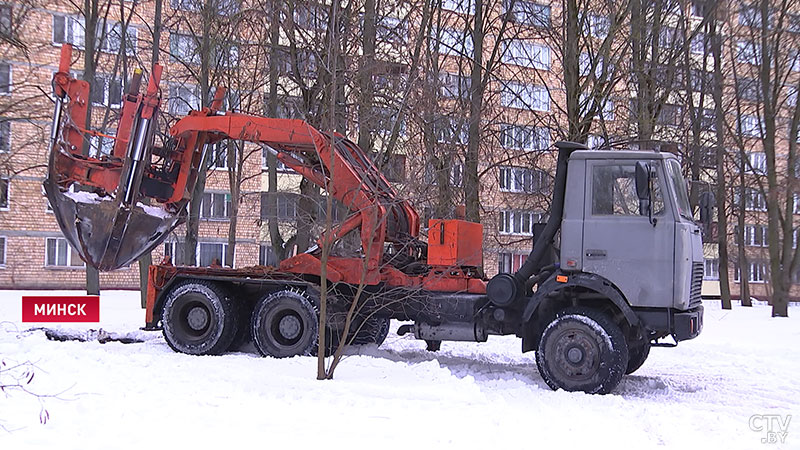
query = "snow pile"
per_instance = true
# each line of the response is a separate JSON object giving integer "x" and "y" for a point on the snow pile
{"x": 85, "y": 197}
{"x": 143, "y": 395}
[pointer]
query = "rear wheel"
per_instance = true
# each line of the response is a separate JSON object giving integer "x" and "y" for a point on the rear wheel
{"x": 372, "y": 331}
{"x": 199, "y": 318}
{"x": 582, "y": 350}
{"x": 284, "y": 324}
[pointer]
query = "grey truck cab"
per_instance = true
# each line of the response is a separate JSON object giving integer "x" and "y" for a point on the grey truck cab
{"x": 625, "y": 273}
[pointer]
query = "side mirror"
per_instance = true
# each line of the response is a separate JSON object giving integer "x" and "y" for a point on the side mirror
{"x": 642, "y": 180}
{"x": 707, "y": 203}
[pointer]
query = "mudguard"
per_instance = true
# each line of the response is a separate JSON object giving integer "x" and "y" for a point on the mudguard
{"x": 560, "y": 280}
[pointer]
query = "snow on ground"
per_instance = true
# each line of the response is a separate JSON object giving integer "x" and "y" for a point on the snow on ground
{"x": 701, "y": 394}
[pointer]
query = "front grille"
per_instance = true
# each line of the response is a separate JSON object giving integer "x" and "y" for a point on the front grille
{"x": 695, "y": 291}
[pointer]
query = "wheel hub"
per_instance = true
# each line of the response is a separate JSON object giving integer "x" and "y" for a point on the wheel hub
{"x": 574, "y": 355}
{"x": 577, "y": 355}
{"x": 197, "y": 318}
{"x": 289, "y": 327}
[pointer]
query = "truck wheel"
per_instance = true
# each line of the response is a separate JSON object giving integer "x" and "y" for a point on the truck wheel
{"x": 582, "y": 350}
{"x": 638, "y": 352}
{"x": 199, "y": 318}
{"x": 373, "y": 331}
{"x": 284, "y": 324}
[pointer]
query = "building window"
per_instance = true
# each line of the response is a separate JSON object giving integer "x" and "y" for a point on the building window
{"x": 595, "y": 141}
{"x": 708, "y": 121}
{"x": 755, "y": 235}
{"x": 668, "y": 38}
{"x": 791, "y": 96}
{"x": 750, "y": 125}
{"x": 757, "y": 272}
{"x": 698, "y": 44}
{"x": 311, "y": 17}
{"x": 527, "y": 54}
{"x": 711, "y": 269}
{"x": 748, "y": 52}
{"x": 70, "y": 30}
{"x": 750, "y": 16}
{"x": 106, "y": 91}
{"x": 183, "y": 48}
{"x": 266, "y": 256}
{"x": 391, "y": 30}
{"x": 590, "y": 104}
{"x": 279, "y": 165}
{"x": 453, "y": 85}
{"x": 5, "y": 135}
{"x": 183, "y": 99}
{"x": 3, "y": 241}
{"x": 459, "y": 6}
{"x": 796, "y": 203}
{"x": 528, "y": 13}
{"x": 384, "y": 119}
{"x": 757, "y": 162}
{"x": 209, "y": 253}
{"x": 519, "y": 179}
{"x": 525, "y": 96}
{"x": 747, "y": 89}
{"x": 455, "y": 173}
{"x": 518, "y": 222}
{"x": 794, "y": 60}
{"x": 5, "y": 184}
{"x": 521, "y": 137}
{"x": 453, "y": 42}
{"x": 392, "y": 166}
{"x": 60, "y": 254}
{"x": 5, "y": 78}
{"x": 754, "y": 199}
{"x": 215, "y": 205}
{"x": 287, "y": 206}
{"x": 596, "y": 25}
{"x": 510, "y": 262}
{"x": 218, "y": 155}
{"x": 602, "y": 69}
{"x": 451, "y": 130}
{"x": 101, "y": 146}
{"x": 110, "y": 38}
{"x": 670, "y": 115}
{"x": 700, "y": 8}
{"x": 6, "y": 14}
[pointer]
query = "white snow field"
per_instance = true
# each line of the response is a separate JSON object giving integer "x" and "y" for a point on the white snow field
{"x": 703, "y": 394}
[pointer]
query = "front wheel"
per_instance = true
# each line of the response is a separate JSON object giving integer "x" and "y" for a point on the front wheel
{"x": 582, "y": 349}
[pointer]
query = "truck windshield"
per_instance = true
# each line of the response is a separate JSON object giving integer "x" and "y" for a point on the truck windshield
{"x": 679, "y": 187}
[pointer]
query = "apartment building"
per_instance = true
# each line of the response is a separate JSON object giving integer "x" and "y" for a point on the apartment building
{"x": 524, "y": 115}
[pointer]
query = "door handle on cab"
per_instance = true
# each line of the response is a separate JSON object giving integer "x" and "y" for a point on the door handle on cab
{"x": 595, "y": 254}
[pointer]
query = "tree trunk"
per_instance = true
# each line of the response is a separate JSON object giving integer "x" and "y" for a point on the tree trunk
{"x": 235, "y": 162}
{"x": 91, "y": 11}
{"x": 193, "y": 219}
{"x": 147, "y": 259}
{"x": 721, "y": 194}
{"x": 366, "y": 82}
{"x": 471, "y": 180}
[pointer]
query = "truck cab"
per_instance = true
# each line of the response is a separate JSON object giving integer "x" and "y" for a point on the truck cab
{"x": 649, "y": 248}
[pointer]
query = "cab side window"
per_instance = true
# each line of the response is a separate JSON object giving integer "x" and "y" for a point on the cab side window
{"x": 614, "y": 192}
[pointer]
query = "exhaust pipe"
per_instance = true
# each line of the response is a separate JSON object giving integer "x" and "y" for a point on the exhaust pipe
{"x": 505, "y": 288}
